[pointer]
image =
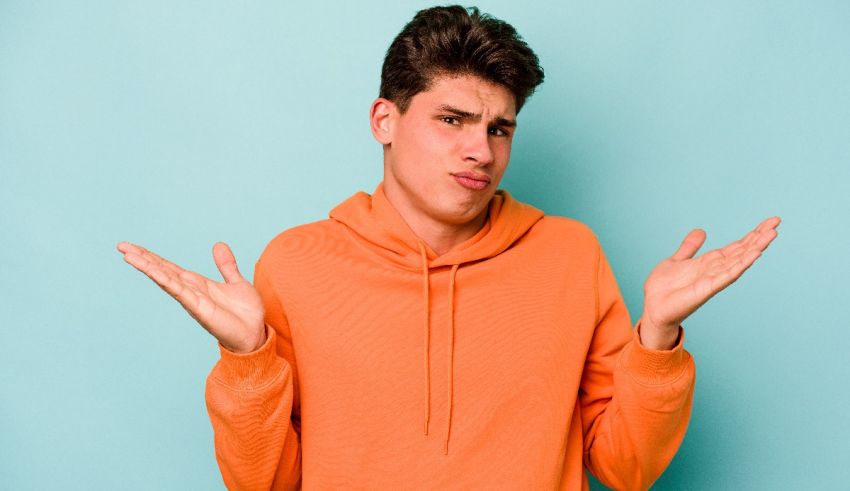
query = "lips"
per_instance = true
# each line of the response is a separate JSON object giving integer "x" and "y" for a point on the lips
{"x": 473, "y": 176}
{"x": 471, "y": 180}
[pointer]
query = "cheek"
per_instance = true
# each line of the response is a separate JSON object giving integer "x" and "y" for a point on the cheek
{"x": 429, "y": 147}
{"x": 502, "y": 148}
{"x": 417, "y": 159}
{"x": 416, "y": 141}
{"x": 440, "y": 139}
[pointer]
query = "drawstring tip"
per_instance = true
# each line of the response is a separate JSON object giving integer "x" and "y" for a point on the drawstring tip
{"x": 426, "y": 428}
{"x": 446, "y": 449}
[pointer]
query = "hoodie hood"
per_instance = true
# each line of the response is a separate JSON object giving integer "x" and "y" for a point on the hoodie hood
{"x": 375, "y": 220}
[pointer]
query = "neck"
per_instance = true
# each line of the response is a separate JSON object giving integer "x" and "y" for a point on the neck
{"x": 440, "y": 236}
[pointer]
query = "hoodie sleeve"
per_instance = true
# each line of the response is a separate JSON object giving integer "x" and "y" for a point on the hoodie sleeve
{"x": 635, "y": 402}
{"x": 252, "y": 403}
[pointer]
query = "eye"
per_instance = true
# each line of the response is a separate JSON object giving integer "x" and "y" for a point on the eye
{"x": 497, "y": 131}
{"x": 450, "y": 120}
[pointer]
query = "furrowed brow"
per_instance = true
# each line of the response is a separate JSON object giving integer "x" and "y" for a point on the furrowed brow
{"x": 508, "y": 123}
{"x": 460, "y": 112}
{"x": 499, "y": 121}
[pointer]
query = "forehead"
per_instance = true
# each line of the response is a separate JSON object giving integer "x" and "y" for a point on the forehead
{"x": 467, "y": 92}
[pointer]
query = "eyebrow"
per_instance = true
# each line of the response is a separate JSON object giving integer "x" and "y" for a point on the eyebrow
{"x": 500, "y": 121}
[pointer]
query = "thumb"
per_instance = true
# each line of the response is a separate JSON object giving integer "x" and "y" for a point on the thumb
{"x": 690, "y": 245}
{"x": 226, "y": 263}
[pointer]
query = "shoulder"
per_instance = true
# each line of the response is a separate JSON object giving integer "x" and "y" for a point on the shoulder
{"x": 568, "y": 231}
{"x": 563, "y": 242}
{"x": 301, "y": 241}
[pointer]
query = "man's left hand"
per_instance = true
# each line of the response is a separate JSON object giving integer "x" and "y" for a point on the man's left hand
{"x": 681, "y": 283}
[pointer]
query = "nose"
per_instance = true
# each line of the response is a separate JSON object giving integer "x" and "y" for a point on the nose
{"x": 477, "y": 146}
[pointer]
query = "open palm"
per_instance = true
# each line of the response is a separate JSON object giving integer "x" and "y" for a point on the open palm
{"x": 232, "y": 310}
{"x": 681, "y": 283}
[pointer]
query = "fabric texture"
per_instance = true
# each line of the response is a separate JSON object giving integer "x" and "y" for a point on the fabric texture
{"x": 508, "y": 362}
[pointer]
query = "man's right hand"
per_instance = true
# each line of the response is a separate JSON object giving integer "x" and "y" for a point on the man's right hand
{"x": 232, "y": 310}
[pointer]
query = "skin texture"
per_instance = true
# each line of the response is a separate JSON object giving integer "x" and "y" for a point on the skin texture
{"x": 460, "y": 123}
{"x": 434, "y": 139}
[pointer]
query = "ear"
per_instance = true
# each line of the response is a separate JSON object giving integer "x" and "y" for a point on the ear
{"x": 382, "y": 116}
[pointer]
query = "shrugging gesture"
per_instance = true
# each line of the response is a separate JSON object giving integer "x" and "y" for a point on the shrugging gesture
{"x": 232, "y": 310}
{"x": 682, "y": 283}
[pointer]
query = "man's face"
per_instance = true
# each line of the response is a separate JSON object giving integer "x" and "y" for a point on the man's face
{"x": 460, "y": 125}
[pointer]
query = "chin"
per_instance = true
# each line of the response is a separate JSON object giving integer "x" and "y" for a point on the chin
{"x": 461, "y": 215}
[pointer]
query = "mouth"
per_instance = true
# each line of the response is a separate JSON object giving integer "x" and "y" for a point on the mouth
{"x": 471, "y": 180}
{"x": 473, "y": 176}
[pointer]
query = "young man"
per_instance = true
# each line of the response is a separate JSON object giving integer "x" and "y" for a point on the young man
{"x": 437, "y": 333}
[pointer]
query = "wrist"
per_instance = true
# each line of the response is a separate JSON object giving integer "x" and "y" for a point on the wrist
{"x": 249, "y": 347}
{"x": 657, "y": 337}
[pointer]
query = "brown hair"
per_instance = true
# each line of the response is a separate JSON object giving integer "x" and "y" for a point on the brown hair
{"x": 451, "y": 40}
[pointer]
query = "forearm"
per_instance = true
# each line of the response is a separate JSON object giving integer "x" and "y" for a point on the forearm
{"x": 249, "y": 400}
{"x": 645, "y": 421}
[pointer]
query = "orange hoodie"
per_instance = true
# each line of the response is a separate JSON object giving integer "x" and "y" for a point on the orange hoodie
{"x": 508, "y": 362}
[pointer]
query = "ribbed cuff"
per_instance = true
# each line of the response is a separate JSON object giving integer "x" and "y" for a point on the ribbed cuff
{"x": 654, "y": 367}
{"x": 249, "y": 370}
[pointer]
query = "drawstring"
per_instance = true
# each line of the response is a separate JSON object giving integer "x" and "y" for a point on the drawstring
{"x": 425, "y": 288}
{"x": 427, "y": 337}
{"x": 451, "y": 353}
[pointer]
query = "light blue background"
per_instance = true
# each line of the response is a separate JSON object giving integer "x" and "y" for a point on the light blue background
{"x": 178, "y": 124}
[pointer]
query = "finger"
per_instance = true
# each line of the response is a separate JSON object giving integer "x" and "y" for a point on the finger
{"x": 187, "y": 287}
{"x": 751, "y": 236}
{"x": 690, "y": 245}
{"x": 150, "y": 269}
{"x": 760, "y": 241}
{"x": 150, "y": 256}
{"x": 733, "y": 249}
{"x": 765, "y": 239}
{"x": 166, "y": 280}
{"x": 226, "y": 263}
{"x": 126, "y": 247}
{"x": 737, "y": 268}
{"x": 755, "y": 241}
{"x": 162, "y": 262}
{"x": 767, "y": 225}
{"x": 163, "y": 277}
{"x": 199, "y": 282}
